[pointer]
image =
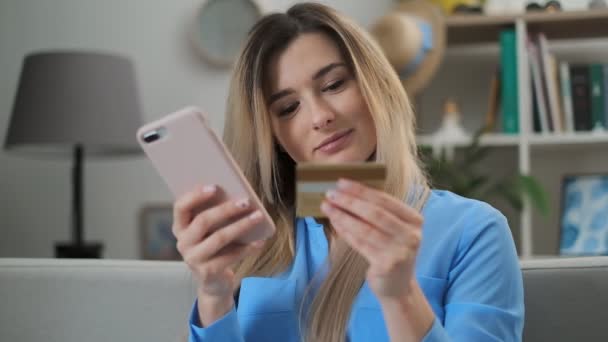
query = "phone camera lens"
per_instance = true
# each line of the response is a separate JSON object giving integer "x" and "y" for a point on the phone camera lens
{"x": 153, "y": 135}
{"x": 150, "y": 137}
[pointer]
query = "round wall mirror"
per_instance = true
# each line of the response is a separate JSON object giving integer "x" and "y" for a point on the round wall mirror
{"x": 221, "y": 27}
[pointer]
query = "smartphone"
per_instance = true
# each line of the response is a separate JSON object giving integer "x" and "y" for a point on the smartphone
{"x": 188, "y": 154}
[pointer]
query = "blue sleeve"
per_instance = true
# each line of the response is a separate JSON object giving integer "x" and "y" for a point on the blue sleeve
{"x": 226, "y": 329}
{"x": 484, "y": 299}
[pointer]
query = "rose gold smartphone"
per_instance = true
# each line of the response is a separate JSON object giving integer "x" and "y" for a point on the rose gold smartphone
{"x": 188, "y": 154}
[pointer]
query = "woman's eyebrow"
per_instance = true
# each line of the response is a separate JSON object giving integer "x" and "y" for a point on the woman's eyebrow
{"x": 322, "y": 72}
{"x": 274, "y": 97}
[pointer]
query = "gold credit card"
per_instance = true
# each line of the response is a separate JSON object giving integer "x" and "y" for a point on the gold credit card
{"x": 313, "y": 180}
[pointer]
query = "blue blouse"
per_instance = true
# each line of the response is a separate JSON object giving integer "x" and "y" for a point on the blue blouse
{"x": 467, "y": 267}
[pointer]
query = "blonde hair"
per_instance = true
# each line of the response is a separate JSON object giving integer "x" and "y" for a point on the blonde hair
{"x": 249, "y": 137}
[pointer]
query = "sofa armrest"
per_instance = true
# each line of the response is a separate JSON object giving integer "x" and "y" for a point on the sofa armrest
{"x": 566, "y": 299}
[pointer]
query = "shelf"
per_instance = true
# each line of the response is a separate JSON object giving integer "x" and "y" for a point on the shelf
{"x": 535, "y": 140}
{"x": 480, "y": 29}
{"x": 475, "y": 29}
{"x": 492, "y": 139}
{"x": 571, "y": 25}
{"x": 478, "y": 36}
{"x": 568, "y": 139}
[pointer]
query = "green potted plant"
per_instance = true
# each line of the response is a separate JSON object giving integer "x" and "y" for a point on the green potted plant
{"x": 463, "y": 177}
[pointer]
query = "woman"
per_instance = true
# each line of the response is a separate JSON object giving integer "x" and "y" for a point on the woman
{"x": 407, "y": 264}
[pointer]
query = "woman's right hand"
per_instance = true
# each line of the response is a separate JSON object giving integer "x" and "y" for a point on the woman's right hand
{"x": 207, "y": 243}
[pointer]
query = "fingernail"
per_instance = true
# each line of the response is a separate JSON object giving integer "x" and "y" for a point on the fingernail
{"x": 208, "y": 189}
{"x": 258, "y": 243}
{"x": 242, "y": 203}
{"x": 255, "y": 215}
{"x": 344, "y": 184}
{"x": 326, "y": 208}
{"x": 331, "y": 194}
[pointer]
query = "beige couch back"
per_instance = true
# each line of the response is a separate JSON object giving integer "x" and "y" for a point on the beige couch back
{"x": 60, "y": 300}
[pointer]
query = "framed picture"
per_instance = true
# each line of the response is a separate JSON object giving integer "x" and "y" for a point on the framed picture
{"x": 584, "y": 215}
{"x": 156, "y": 239}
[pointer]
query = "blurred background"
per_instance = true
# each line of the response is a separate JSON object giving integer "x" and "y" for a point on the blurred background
{"x": 124, "y": 196}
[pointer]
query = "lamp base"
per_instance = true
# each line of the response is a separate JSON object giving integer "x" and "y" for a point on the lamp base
{"x": 79, "y": 251}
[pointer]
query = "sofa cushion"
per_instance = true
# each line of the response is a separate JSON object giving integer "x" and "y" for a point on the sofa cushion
{"x": 566, "y": 299}
{"x": 94, "y": 300}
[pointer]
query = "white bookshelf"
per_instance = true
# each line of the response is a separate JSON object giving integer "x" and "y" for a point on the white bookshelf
{"x": 469, "y": 32}
{"x": 491, "y": 139}
{"x": 568, "y": 139}
{"x": 535, "y": 140}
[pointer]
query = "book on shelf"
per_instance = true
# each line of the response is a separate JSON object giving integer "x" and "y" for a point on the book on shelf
{"x": 555, "y": 78}
{"x": 581, "y": 98}
{"x": 509, "y": 89}
{"x": 596, "y": 74}
{"x": 539, "y": 103}
{"x": 491, "y": 124}
{"x": 566, "y": 96}
{"x": 548, "y": 70}
{"x": 606, "y": 95}
{"x": 566, "y": 88}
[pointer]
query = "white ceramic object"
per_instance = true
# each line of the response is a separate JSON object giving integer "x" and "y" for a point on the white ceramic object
{"x": 504, "y": 7}
{"x": 450, "y": 133}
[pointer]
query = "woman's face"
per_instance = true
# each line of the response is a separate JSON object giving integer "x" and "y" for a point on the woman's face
{"x": 317, "y": 111}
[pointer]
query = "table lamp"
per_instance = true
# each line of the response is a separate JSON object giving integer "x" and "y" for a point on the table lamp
{"x": 71, "y": 104}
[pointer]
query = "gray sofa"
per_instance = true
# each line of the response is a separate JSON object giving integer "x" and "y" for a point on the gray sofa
{"x": 566, "y": 299}
{"x": 109, "y": 300}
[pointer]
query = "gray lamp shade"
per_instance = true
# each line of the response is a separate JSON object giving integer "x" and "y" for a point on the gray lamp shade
{"x": 75, "y": 98}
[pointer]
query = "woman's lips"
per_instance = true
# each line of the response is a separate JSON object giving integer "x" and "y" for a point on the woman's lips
{"x": 337, "y": 144}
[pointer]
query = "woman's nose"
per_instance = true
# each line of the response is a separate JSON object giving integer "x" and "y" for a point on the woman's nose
{"x": 322, "y": 115}
{"x": 322, "y": 123}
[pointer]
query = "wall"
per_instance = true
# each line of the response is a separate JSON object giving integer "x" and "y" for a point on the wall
{"x": 35, "y": 193}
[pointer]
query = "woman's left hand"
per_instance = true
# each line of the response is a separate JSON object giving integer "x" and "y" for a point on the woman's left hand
{"x": 383, "y": 229}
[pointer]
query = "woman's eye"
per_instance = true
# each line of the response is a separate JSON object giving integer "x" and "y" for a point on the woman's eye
{"x": 289, "y": 109}
{"x": 334, "y": 86}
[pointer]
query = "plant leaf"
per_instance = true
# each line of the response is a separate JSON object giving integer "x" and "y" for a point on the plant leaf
{"x": 478, "y": 181}
{"x": 534, "y": 191}
{"x": 509, "y": 192}
{"x": 461, "y": 177}
{"x": 474, "y": 156}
